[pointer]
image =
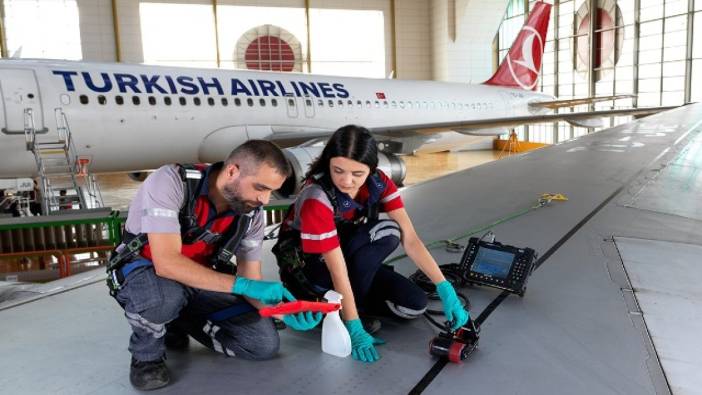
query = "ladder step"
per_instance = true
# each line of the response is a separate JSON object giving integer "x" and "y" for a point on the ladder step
{"x": 50, "y": 151}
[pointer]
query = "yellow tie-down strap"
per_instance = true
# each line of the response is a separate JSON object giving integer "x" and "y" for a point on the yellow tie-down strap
{"x": 547, "y": 198}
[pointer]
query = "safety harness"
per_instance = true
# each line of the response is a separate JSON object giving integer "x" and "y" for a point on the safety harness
{"x": 191, "y": 232}
{"x": 288, "y": 250}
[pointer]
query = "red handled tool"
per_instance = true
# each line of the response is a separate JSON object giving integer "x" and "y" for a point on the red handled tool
{"x": 299, "y": 306}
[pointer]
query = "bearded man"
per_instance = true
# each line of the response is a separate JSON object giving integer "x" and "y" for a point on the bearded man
{"x": 174, "y": 275}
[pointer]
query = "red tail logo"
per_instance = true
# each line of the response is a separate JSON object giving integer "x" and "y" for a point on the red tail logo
{"x": 522, "y": 64}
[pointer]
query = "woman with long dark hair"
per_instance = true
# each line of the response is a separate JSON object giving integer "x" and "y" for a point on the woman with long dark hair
{"x": 333, "y": 238}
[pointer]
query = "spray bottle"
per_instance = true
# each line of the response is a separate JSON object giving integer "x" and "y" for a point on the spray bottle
{"x": 335, "y": 338}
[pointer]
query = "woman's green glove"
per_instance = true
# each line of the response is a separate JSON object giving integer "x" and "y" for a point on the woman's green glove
{"x": 268, "y": 292}
{"x": 453, "y": 310}
{"x": 302, "y": 321}
{"x": 362, "y": 344}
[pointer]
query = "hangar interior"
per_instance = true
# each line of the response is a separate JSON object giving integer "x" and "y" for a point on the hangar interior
{"x": 616, "y": 256}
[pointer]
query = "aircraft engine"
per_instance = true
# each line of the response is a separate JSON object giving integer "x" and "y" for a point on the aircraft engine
{"x": 302, "y": 157}
{"x": 138, "y": 175}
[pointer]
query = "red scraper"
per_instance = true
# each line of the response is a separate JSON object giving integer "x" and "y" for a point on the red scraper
{"x": 299, "y": 306}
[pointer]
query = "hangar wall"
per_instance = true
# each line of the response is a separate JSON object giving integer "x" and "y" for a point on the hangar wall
{"x": 424, "y": 48}
{"x": 462, "y": 38}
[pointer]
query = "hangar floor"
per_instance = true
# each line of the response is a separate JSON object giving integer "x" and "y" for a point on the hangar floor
{"x": 594, "y": 319}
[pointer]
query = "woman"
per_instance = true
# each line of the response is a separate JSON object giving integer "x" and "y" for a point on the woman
{"x": 332, "y": 238}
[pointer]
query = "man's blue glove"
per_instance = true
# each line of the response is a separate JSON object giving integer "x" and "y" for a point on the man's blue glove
{"x": 362, "y": 344}
{"x": 453, "y": 310}
{"x": 267, "y": 292}
{"x": 302, "y": 321}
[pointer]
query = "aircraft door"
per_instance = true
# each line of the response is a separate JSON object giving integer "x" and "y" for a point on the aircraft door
{"x": 19, "y": 91}
{"x": 291, "y": 103}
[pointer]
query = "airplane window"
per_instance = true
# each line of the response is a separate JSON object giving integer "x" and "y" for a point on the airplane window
{"x": 83, "y": 99}
{"x": 167, "y": 100}
{"x": 119, "y": 100}
{"x": 350, "y": 103}
{"x": 197, "y": 101}
{"x": 135, "y": 100}
{"x": 182, "y": 101}
{"x": 385, "y": 104}
{"x": 359, "y": 103}
{"x": 262, "y": 102}
{"x": 210, "y": 101}
{"x": 472, "y": 106}
{"x": 308, "y": 102}
{"x": 341, "y": 103}
{"x": 30, "y": 95}
{"x": 102, "y": 100}
{"x": 225, "y": 102}
{"x": 152, "y": 100}
{"x": 394, "y": 104}
{"x": 377, "y": 104}
{"x": 249, "y": 102}
{"x": 368, "y": 104}
{"x": 320, "y": 103}
{"x": 331, "y": 103}
{"x": 274, "y": 102}
{"x": 402, "y": 104}
{"x": 237, "y": 101}
{"x": 291, "y": 102}
{"x": 425, "y": 105}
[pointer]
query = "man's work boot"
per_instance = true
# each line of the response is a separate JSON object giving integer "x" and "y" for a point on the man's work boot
{"x": 149, "y": 375}
{"x": 176, "y": 338}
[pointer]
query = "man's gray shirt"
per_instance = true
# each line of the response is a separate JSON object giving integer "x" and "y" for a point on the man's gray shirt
{"x": 158, "y": 201}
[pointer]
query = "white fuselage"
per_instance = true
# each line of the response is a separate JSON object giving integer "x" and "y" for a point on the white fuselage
{"x": 160, "y": 121}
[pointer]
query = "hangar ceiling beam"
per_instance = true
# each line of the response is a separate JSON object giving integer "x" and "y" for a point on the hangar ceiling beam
{"x": 115, "y": 30}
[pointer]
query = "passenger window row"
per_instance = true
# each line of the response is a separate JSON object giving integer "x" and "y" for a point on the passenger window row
{"x": 262, "y": 102}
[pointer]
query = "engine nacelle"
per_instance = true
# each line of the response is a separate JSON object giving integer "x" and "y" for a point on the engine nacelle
{"x": 302, "y": 157}
{"x": 139, "y": 176}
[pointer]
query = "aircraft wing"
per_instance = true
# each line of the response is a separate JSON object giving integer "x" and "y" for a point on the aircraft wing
{"x": 494, "y": 126}
{"x": 555, "y": 104}
{"x": 485, "y": 126}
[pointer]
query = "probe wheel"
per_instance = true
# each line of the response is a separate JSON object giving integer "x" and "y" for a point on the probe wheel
{"x": 439, "y": 347}
{"x": 455, "y": 354}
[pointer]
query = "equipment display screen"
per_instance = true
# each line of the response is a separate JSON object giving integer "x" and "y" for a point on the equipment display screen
{"x": 493, "y": 262}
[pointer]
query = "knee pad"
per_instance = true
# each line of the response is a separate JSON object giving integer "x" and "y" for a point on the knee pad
{"x": 387, "y": 231}
{"x": 405, "y": 312}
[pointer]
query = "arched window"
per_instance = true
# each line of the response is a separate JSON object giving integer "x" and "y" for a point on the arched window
{"x": 269, "y": 47}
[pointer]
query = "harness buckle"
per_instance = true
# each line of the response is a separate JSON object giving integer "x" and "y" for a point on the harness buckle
{"x": 209, "y": 237}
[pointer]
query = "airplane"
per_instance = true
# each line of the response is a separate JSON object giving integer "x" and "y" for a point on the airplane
{"x": 131, "y": 118}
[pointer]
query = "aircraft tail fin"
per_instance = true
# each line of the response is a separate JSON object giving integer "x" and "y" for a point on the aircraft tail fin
{"x": 522, "y": 65}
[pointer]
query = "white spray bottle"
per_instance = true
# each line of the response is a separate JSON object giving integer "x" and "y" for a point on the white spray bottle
{"x": 335, "y": 338}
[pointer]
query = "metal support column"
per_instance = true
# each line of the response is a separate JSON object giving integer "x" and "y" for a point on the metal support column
{"x": 393, "y": 33}
{"x": 591, "y": 74}
{"x": 216, "y": 31}
{"x": 309, "y": 46}
{"x": 637, "y": 34}
{"x": 115, "y": 30}
{"x": 556, "y": 48}
{"x": 3, "y": 44}
{"x": 688, "y": 56}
